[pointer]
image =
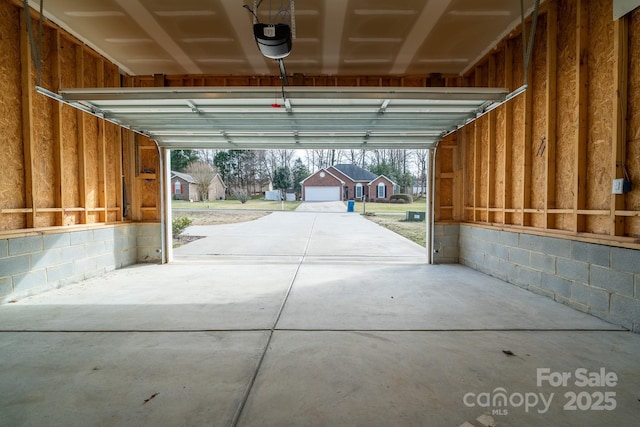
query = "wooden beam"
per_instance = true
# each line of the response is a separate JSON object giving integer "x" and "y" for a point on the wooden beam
{"x": 551, "y": 113}
{"x": 508, "y": 135}
{"x": 80, "y": 139}
{"x": 58, "y": 150}
{"x": 102, "y": 151}
{"x": 477, "y": 155}
{"x": 582, "y": 82}
{"x": 619, "y": 155}
{"x": 27, "y": 122}
{"x": 491, "y": 150}
{"x": 525, "y": 196}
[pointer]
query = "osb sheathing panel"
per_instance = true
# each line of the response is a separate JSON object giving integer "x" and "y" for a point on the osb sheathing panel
{"x": 69, "y": 133}
{"x": 517, "y": 137}
{"x": 12, "y": 191}
{"x": 567, "y": 115}
{"x": 113, "y": 156}
{"x": 539, "y": 122}
{"x": 91, "y": 140}
{"x": 632, "y": 225}
{"x": 600, "y": 116}
{"x": 44, "y": 164}
{"x": 498, "y": 170}
{"x": 482, "y": 139}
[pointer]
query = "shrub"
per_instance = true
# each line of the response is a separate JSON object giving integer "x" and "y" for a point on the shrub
{"x": 401, "y": 198}
{"x": 241, "y": 195}
{"x": 179, "y": 224}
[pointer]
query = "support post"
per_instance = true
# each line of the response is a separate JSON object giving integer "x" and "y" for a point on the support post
{"x": 165, "y": 204}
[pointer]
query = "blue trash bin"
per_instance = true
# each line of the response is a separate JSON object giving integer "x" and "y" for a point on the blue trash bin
{"x": 351, "y": 205}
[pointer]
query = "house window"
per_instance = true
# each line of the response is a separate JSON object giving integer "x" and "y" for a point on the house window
{"x": 177, "y": 188}
{"x": 382, "y": 191}
{"x": 358, "y": 191}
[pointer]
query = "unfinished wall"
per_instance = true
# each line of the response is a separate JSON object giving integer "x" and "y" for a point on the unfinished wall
{"x": 63, "y": 169}
{"x": 537, "y": 206}
{"x": 546, "y": 159}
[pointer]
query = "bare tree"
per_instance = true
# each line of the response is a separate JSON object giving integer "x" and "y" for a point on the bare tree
{"x": 203, "y": 174}
{"x": 421, "y": 157}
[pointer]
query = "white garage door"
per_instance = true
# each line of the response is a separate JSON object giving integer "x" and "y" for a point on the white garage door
{"x": 321, "y": 194}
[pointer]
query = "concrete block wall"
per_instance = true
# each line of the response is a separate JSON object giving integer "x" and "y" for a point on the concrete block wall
{"x": 29, "y": 265}
{"x": 446, "y": 239}
{"x": 597, "y": 279}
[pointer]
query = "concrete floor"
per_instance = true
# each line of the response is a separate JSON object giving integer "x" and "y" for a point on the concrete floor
{"x": 314, "y": 319}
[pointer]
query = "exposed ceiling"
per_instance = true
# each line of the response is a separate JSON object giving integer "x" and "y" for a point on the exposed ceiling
{"x": 333, "y": 37}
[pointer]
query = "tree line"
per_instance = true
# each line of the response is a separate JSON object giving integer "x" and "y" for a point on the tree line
{"x": 252, "y": 171}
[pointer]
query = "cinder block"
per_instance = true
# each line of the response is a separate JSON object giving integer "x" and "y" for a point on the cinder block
{"x": 102, "y": 234}
{"x": 25, "y": 245}
{"x": 543, "y": 262}
{"x": 580, "y": 293}
{"x": 4, "y": 248}
{"x": 59, "y": 240}
{"x": 105, "y": 261}
{"x": 625, "y": 308}
{"x": 94, "y": 249}
{"x": 6, "y": 286}
{"x": 508, "y": 238}
{"x": 615, "y": 281}
{"x": 578, "y": 306}
{"x": 541, "y": 291}
{"x": 556, "y": 284}
{"x": 591, "y": 253}
{"x": 558, "y": 247}
{"x": 59, "y": 273}
{"x": 637, "y": 291}
{"x": 46, "y": 258}
{"x": 34, "y": 279}
{"x": 84, "y": 266}
{"x": 11, "y": 266}
{"x": 530, "y": 242}
{"x": 529, "y": 277}
{"x": 625, "y": 260}
{"x": 72, "y": 253}
{"x": 599, "y": 301}
{"x": 572, "y": 270}
{"x": 80, "y": 237}
{"x": 519, "y": 256}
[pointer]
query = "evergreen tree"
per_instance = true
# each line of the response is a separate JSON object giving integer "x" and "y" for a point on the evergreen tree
{"x": 180, "y": 159}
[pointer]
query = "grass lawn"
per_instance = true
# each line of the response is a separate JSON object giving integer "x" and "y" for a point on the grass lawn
{"x": 414, "y": 231}
{"x": 253, "y": 204}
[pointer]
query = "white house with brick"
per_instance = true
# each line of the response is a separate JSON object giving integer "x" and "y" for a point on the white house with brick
{"x": 345, "y": 182}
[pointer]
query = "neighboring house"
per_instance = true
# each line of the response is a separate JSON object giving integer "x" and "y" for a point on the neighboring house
{"x": 184, "y": 187}
{"x": 344, "y": 182}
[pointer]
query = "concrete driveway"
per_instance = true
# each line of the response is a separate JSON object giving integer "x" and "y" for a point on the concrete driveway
{"x": 335, "y": 207}
{"x": 307, "y": 319}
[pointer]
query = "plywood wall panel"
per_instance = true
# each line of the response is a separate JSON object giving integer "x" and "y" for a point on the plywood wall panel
{"x": 600, "y": 116}
{"x": 540, "y": 120}
{"x": 44, "y": 163}
{"x": 11, "y": 155}
{"x": 632, "y": 199}
{"x": 567, "y": 108}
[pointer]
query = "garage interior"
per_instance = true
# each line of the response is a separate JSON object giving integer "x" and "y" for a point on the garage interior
{"x": 535, "y": 212}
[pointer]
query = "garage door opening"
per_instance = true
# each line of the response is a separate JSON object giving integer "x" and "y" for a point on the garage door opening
{"x": 240, "y": 118}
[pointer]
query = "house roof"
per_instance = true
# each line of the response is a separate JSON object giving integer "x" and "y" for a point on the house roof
{"x": 190, "y": 180}
{"x": 382, "y": 176}
{"x": 356, "y": 173}
{"x": 322, "y": 170}
{"x": 184, "y": 176}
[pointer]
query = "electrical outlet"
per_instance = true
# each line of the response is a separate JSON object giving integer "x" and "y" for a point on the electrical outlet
{"x": 620, "y": 186}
